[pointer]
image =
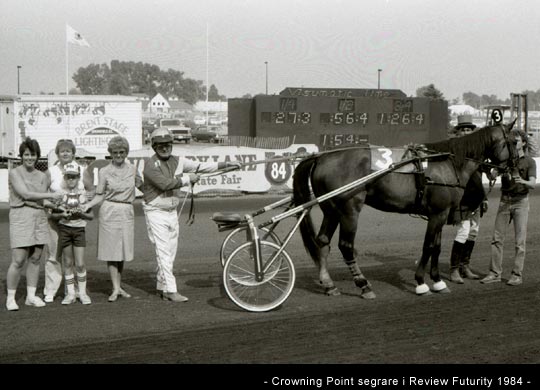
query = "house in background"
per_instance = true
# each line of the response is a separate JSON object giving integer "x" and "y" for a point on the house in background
{"x": 158, "y": 105}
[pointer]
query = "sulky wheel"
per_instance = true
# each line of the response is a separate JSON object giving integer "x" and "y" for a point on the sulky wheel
{"x": 253, "y": 295}
{"x": 241, "y": 235}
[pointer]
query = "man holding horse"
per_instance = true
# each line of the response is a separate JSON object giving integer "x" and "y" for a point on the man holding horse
{"x": 513, "y": 207}
{"x": 467, "y": 227}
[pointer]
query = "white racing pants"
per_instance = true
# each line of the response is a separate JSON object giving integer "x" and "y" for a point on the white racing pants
{"x": 468, "y": 229}
{"x": 163, "y": 231}
{"x": 53, "y": 265}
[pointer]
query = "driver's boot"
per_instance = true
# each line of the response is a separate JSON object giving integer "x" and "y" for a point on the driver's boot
{"x": 466, "y": 271}
{"x": 455, "y": 258}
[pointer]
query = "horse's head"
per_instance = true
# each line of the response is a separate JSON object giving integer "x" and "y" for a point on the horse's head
{"x": 503, "y": 150}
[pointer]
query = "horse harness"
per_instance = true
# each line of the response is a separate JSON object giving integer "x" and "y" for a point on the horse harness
{"x": 422, "y": 153}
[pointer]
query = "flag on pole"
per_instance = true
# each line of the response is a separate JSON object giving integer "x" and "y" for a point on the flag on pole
{"x": 73, "y": 36}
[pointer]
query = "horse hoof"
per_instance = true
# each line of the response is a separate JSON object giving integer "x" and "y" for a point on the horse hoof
{"x": 332, "y": 291}
{"x": 440, "y": 286}
{"x": 369, "y": 295}
{"x": 443, "y": 291}
{"x": 422, "y": 289}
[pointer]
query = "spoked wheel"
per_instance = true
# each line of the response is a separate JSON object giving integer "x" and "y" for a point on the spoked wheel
{"x": 249, "y": 293}
{"x": 240, "y": 236}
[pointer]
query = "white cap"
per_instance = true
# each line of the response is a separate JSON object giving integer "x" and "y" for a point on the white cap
{"x": 72, "y": 168}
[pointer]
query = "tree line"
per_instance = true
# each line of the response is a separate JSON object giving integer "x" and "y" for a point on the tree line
{"x": 480, "y": 101}
{"x": 127, "y": 78}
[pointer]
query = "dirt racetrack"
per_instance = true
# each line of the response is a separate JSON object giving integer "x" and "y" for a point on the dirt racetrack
{"x": 475, "y": 323}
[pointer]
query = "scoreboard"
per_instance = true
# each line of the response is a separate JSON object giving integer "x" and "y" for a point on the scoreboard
{"x": 340, "y": 117}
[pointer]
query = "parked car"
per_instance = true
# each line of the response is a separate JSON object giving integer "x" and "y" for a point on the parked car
{"x": 213, "y": 134}
{"x": 178, "y": 129}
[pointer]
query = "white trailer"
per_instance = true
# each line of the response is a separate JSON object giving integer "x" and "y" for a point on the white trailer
{"x": 89, "y": 120}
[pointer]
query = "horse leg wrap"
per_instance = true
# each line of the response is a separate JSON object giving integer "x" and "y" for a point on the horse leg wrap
{"x": 360, "y": 280}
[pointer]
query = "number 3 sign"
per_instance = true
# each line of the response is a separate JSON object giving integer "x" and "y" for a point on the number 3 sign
{"x": 277, "y": 172}
{"x": 497, "y": 116}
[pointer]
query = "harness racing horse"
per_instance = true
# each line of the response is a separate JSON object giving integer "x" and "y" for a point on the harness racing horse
{"x": 440, "y": 192}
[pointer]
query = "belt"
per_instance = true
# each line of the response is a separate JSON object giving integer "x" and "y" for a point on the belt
{"x": 159, "y": 207}
{"x": 117, "y": 201}
{"x": 515, "y": 197}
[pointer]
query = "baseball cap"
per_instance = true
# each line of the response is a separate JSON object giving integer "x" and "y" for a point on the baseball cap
{"x": 72, "y": 168}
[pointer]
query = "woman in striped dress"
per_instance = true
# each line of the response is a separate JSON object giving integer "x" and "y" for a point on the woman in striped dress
{"x": 116, "y": 190}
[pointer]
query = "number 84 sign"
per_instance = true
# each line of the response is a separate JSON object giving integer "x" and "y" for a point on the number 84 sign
{"x": 279, "y": 171}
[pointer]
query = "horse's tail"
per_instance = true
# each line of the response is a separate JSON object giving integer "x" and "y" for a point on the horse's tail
{"x": 301, "y": 195}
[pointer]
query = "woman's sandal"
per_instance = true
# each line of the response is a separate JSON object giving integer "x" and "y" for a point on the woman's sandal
{"x": 123, "y": 293}
{"x": 113, "y": 297}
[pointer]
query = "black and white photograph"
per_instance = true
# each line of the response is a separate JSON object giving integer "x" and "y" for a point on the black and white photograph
{"x": 301, "y": 193}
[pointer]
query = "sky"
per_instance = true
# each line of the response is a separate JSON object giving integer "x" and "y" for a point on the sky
{"x": 487, "y": 47}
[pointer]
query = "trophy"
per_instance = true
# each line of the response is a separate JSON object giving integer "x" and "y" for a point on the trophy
{"x": 71, "y": 202}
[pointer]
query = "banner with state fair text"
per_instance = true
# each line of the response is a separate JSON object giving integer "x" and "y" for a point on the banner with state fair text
{"x": 271, "y": 171}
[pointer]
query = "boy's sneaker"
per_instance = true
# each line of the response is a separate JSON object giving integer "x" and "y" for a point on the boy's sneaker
{"x": 35, "y": 301}
{"x": 11, "y": 305}
{"x": 85, "y": 299}
{"x": 490, "y": 279}
{"x": 514, "y": 280}
{"x": 49, "y": 298}
{"x": 69, "y": 299}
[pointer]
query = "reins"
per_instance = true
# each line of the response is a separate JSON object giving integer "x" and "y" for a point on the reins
{"x": 191, "y": 216}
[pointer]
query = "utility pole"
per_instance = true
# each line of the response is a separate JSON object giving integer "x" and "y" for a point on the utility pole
{"x": 18, "y": 80}
{"x": 266, "y": 66}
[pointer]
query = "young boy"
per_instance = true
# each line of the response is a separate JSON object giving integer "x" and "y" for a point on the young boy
{"x": 71, "y": 234}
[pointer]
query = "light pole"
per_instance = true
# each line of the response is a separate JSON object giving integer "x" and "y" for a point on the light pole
{"x": 379, "y": 78}
{"x": 18, "y": 80}
{"x": 266, "y": 66}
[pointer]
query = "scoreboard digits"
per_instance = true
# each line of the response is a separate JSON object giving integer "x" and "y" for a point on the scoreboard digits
{"x": 402, "y": 114}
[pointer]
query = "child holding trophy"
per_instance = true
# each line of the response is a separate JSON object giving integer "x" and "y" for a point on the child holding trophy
{"x": 71, "y": 234}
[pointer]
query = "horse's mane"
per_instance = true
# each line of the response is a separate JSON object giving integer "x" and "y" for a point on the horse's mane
{"x": 468, "y": 146}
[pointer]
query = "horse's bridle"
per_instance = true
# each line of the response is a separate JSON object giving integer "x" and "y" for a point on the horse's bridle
{"x": 511, "y": 150}
{"x": 513, "y": 159}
